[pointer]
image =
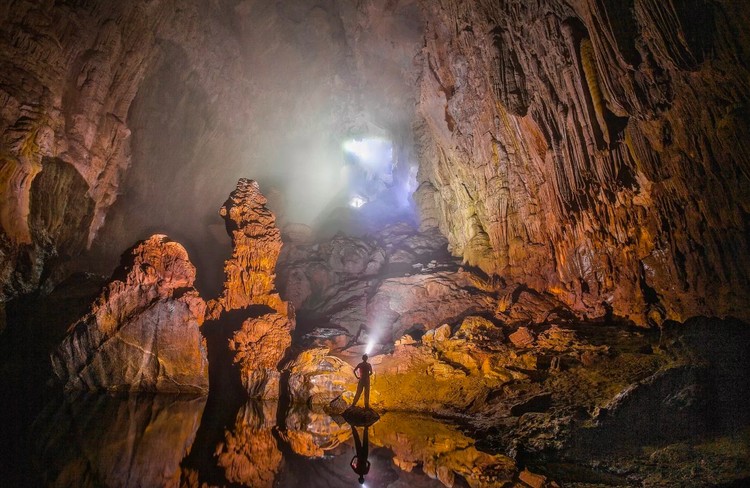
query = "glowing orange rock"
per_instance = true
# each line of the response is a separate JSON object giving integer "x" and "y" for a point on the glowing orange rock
{"x": 256, "y": 244}
{"x": 259, "y": 347}
{"x": 142, "y": 333}
{"x": 260, "y": 341}
{"x": 249, "y": 453}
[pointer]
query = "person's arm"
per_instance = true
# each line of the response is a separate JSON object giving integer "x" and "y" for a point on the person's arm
{"x": 355, "y": 371}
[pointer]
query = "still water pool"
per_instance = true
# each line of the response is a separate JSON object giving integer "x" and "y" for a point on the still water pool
{"x": 154, "y": 441}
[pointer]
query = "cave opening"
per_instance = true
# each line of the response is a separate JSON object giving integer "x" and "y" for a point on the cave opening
{"x": 530, "y": 217}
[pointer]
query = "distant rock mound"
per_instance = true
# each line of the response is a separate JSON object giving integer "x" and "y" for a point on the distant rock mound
{"x": 143, "y": 332}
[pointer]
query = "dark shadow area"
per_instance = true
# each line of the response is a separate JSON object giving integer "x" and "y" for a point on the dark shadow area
{"x": 223, "y": 375}
{"x": 95, "y": 439}
{"x": 35, "y": 326}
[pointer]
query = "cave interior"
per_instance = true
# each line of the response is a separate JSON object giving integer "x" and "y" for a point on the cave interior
{"x": 533, "y": 217}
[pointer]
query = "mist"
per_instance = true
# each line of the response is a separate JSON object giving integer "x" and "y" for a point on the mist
{"x": 272, "y": 91}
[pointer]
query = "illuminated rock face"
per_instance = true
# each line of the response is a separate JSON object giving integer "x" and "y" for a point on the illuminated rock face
{"x": 593, "y": 149}
{"x": 68, "y": 80}
{"x": 316, "y": 378}
{"x": 143, "y": 332}
{"x": 256, "y": 244}
{"x": 262, "y": 339}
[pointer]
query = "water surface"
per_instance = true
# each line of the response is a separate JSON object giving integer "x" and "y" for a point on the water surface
{"x": 158, "y": 440}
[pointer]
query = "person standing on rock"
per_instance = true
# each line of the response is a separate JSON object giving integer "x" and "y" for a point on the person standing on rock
{"x": 365, "y": 371}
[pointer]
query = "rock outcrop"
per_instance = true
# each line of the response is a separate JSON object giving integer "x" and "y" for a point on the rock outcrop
{"x": 249, "y": 304}
{"x": 143, "y": 332}
{"x": 593, "y": 150}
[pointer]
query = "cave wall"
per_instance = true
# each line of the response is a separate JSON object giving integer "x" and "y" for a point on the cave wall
{"x": 68, "y": 72}
{"x": 596, "y": 150}
{"x": 161, "y": 106}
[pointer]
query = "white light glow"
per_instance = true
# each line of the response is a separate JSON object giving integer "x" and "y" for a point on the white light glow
{"x": 370, "y": 346}
{"x": 372, "y": 152}
{"x": 357, "y": 201}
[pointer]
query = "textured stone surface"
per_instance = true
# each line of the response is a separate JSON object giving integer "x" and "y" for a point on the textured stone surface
{"x": 592, "y": 149}
{"x": 143, "y": 332}
{"x": 258, "y": 347}
{"x": 68, "y": 78}
{"x": 250, "y": 272}
{"x": 316, "y": 378}
{"x": 249, "y": 306}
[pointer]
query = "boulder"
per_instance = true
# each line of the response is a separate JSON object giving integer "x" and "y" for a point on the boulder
{"x": 359, "y": 416}
{"x": 143, "y": 332}
{"x": 317, "y": 378}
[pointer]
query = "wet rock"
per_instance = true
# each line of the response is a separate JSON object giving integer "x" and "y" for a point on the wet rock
{"x": 143, "y": 332}
{"x": 359, "y": 416}
{"x": 317, "y": 378}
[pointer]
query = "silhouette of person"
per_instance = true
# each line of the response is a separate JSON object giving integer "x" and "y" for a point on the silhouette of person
{"x": 365, "y": 371}
{"x": 359, "y": 462}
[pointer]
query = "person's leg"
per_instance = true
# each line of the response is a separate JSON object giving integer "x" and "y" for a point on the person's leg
{"x": 357, "y": 395}
{"x": 367, "y": 395}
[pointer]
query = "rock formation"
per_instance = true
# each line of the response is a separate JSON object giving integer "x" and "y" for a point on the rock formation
{"x": 593, "y": 150}
{"x": 261, "y": 340}
{"x": 256, "y": 244}
{"x": 143, "y": 332}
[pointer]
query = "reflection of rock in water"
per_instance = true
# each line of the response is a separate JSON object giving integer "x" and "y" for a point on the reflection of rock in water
{"x": 403, "y": 449}
{"x": 100, "y": 440}
{"x": 312, "y": 434}
{"x": 249, "y": 453}
{"x": 441, "y": 450}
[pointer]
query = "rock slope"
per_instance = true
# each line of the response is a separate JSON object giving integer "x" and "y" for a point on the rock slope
{"x": 143, "y": 332}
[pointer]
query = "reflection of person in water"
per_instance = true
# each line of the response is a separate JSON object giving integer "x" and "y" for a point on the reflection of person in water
{"x": 359, "y": 462}
{"x": 365, "y": 371}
